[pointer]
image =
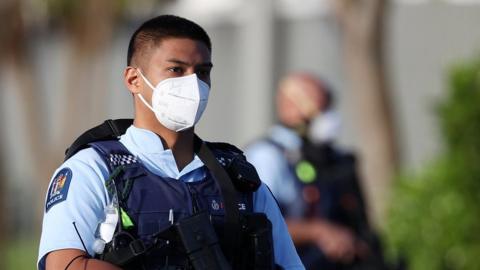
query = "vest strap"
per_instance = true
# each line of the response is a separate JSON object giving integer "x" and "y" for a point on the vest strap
{"x": 229, "y": 194}
{"x": 108, "y": 130}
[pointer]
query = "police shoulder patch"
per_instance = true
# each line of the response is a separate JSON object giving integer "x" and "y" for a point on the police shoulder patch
{"x": 58, "y": 190}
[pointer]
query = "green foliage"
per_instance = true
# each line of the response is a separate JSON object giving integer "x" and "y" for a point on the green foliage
{"x": 21, "y": 254}
{"x": 434, "y": 219}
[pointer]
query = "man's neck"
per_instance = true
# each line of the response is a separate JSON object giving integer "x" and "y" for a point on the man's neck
{"x": 180, "y": 143}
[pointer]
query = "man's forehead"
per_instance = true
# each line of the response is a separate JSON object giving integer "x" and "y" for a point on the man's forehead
{"x": 182, "y": 49}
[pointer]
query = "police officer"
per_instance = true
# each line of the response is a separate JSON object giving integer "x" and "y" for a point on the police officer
{"x": 165, "y": 181}
{"x": 314, "y": 181}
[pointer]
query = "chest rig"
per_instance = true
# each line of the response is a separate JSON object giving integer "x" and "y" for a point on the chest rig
{"x": 326, "y": 182}
{"x": 166, "y": 223}
{"x": 328, "y": 187}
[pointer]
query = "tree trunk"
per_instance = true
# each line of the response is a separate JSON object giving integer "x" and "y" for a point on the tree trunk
{"x": 88, "y": 37}
{"x": 13, "y": 57}
{"x": 3, "y": 223}
{"x": 86, "y": 97}
{"x": 362, "y": 23}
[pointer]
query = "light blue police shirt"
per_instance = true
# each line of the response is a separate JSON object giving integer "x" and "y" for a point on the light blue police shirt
{"x": 77, "y": 194}
{"x": 273, "y": 166}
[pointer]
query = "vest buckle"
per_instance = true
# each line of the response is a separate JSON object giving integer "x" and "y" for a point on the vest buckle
{"x": 137, "y": 247}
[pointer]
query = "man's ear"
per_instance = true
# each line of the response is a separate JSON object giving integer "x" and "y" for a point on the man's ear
{"x": 132, "y": 80}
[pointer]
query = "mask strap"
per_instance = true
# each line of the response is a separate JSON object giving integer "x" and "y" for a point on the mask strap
{"x": 145, "y": 79}
{"x": 145, "y": 102}
{"x": 140, "y": 95}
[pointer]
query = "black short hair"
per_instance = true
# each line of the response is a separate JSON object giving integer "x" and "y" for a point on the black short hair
{"x": 156, "y": 29}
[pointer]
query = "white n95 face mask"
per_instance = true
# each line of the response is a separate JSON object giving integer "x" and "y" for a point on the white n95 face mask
{"x": 178, "y": 103}
{"x": 325, "y": 127}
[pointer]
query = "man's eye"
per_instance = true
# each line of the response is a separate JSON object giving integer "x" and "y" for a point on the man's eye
{"x": 175, "y": 69}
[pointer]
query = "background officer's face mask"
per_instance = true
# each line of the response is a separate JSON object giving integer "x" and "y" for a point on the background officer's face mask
{"x": 178, "y": 103}
{"x": 324, "y": 128}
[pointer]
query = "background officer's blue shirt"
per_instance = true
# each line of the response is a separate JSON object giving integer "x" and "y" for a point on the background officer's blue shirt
{"x": 272, "y": 165}
{"x": 87, "y": 196}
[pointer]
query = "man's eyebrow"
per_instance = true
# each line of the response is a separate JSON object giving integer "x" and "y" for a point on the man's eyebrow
{"x": 180, "y": 62}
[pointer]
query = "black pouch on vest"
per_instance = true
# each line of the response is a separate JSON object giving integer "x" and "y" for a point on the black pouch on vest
{"x": 244, "y": 176}
{"x": 257, "y": 242}
{"x": 200, "y": 243}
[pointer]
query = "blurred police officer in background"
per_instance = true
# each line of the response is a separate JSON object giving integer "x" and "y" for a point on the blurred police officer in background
{"x": 315, "y": 183}
{"x": 134, "y": 195}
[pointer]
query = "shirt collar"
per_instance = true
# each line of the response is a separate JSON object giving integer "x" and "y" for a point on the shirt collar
{"x": 148, "y": 147}
{"x": 286, "y": 137}
{"x": 143, "y": 140}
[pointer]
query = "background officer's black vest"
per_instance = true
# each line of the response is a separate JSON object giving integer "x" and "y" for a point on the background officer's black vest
{"x": 328, "y": 188}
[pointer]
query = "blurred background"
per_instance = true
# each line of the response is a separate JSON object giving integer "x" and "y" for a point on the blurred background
{"x": 406, "y": 75}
